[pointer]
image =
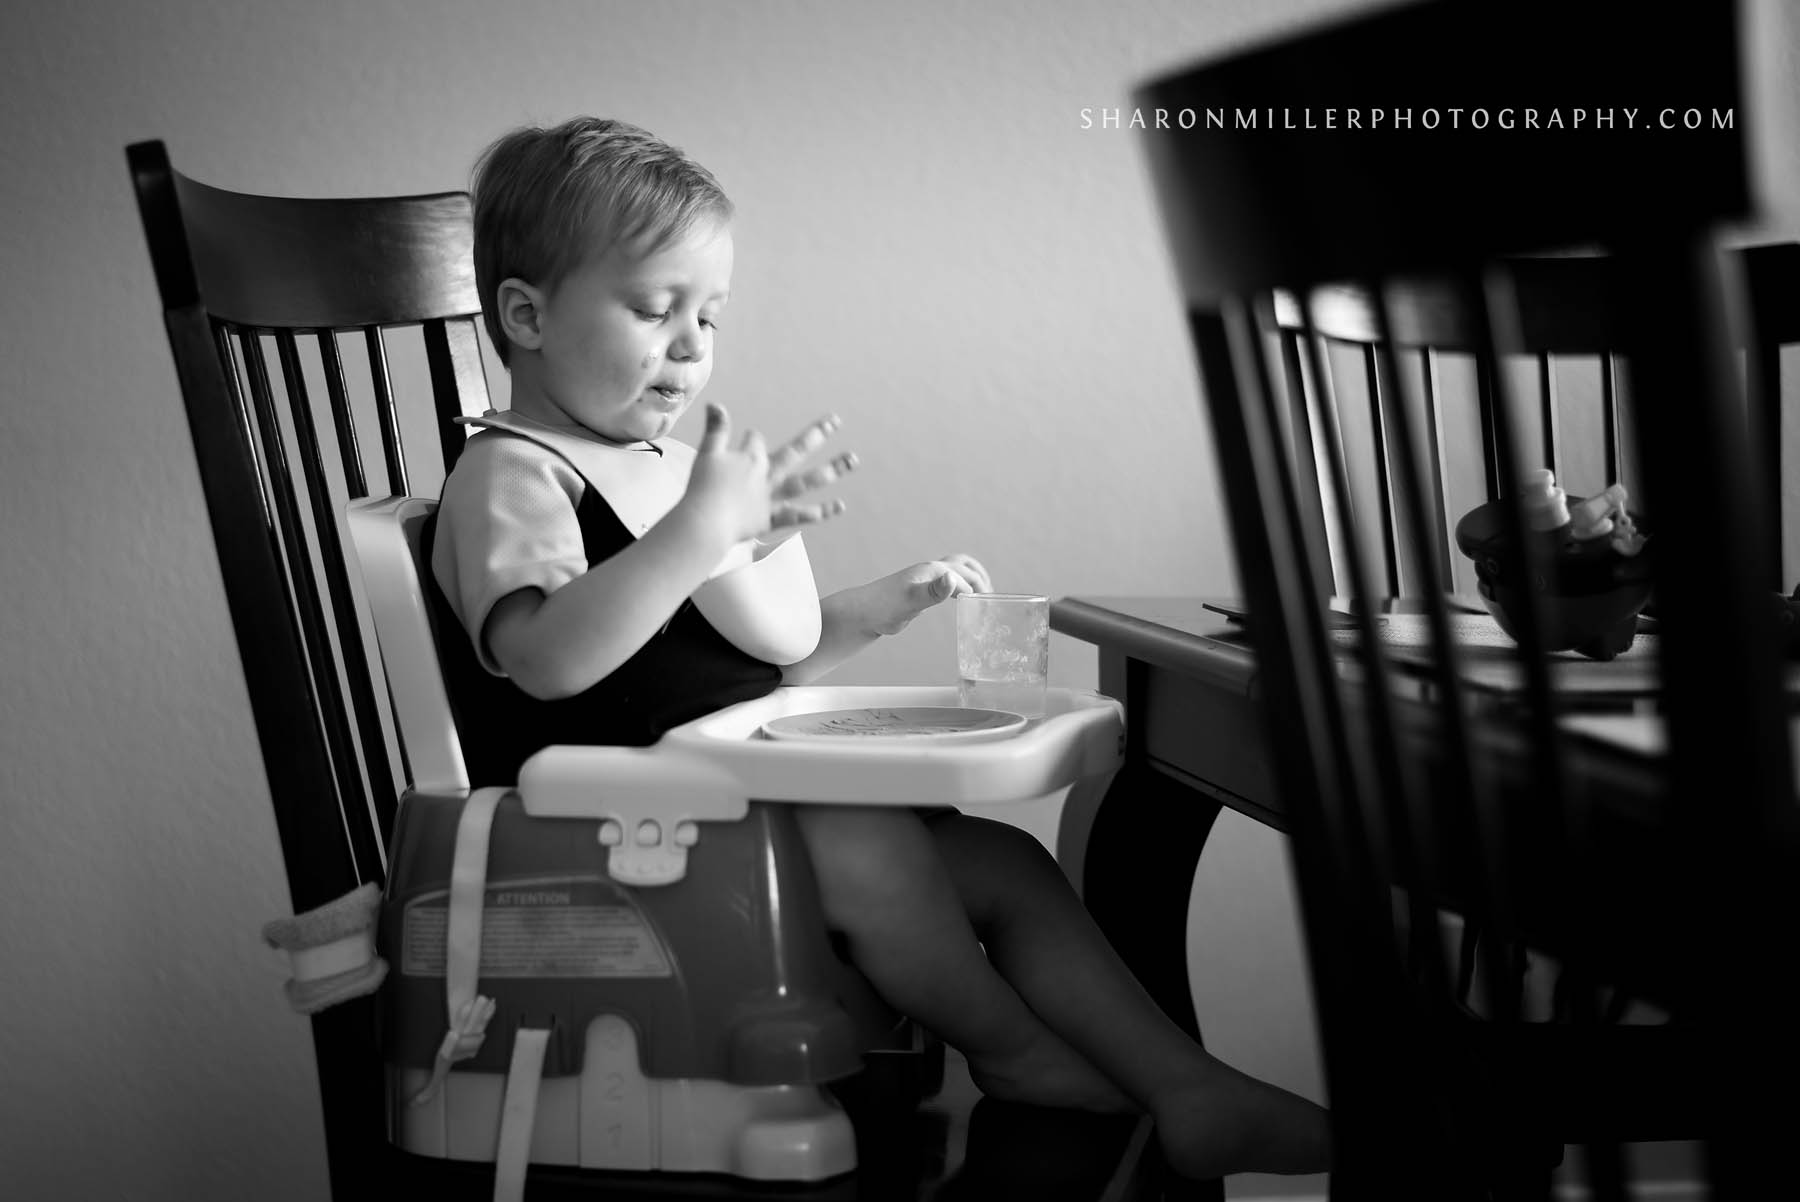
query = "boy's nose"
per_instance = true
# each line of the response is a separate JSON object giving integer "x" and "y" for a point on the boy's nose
{"x": 689, "y": 346}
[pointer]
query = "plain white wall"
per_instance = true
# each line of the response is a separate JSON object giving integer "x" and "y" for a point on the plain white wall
{"x": 928, "y": 243}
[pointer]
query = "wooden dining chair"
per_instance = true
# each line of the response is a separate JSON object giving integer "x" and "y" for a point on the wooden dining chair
{"x": 1345, "y": 357}
{"x": 296, "y": 326}
{"x": 1669, "y": 876}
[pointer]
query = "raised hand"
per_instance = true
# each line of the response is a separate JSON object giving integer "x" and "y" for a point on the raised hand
{"x": 749, "y": 490}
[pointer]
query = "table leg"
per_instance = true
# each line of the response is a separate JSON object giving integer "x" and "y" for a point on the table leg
{"x": 1138, "y": 859}
{"x": 1137, "y": 876}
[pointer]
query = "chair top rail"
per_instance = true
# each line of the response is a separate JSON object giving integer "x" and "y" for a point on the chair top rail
{"x": 263, "y": 262}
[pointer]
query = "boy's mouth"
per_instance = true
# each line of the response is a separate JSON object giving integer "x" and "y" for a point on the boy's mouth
{"x": 672, "y": 394}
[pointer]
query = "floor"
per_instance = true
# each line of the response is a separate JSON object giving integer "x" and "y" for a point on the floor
{"x": 960, "y": 1147}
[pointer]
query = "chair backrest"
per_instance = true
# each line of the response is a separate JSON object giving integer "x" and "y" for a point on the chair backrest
{"x": 246, "y": 279}
{"x": 282, "y": 451}
{"x": 1498, "y": 815}
{"x": 1563, "y": 373}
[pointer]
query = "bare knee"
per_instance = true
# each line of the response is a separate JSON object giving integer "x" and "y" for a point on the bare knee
{"x": 999, "y": 868}
{"x": 869, "y": 861}
{"x": 1004, "y": 848}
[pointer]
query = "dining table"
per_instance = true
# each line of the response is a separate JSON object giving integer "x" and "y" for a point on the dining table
{"x": 1196, "y": 745}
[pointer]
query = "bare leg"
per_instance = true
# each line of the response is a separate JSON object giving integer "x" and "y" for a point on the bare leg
{"x": 883, "y": 883}
{"x": 1211, "y": 1118}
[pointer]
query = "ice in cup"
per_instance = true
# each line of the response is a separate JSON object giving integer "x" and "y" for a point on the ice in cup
{"x": 1003, "y": 651}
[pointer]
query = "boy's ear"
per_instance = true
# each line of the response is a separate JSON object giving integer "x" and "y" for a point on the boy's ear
{"x": 520, "y": 306}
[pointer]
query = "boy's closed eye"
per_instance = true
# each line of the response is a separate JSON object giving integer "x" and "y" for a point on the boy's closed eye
{"x": 710, "y": 323}
{"x": 650, "y": 313}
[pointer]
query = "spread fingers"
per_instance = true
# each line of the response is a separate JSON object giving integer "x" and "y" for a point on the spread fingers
{"x": 794, "y": 513}
{"x": 804, "y": 482}
{"x": 785, "y": 458}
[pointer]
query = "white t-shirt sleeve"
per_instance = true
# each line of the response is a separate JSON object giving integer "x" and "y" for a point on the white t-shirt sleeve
{"x": 507, "y": 521}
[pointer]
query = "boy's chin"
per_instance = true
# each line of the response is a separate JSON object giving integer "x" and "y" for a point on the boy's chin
{"x": 665, "y": 423}
{"x": 641, "y": 427}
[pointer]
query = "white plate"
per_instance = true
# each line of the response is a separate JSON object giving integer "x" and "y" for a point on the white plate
{"x": 904, "y": 723}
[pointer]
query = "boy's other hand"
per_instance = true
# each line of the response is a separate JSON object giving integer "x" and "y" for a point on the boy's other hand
{"x": 891, "y": 603}
{"x": 748, "y": 490}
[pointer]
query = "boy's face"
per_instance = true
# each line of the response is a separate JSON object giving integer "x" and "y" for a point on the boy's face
{"x": 626, "y": 339}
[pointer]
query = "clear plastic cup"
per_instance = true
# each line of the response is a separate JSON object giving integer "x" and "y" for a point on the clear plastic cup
{"x": 1003, "y": 651}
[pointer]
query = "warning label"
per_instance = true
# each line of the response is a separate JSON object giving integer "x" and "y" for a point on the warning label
{"x": 541, "y": 929}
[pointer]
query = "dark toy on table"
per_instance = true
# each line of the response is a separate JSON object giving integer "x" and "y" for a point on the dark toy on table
{"x": 1599, "y": 599}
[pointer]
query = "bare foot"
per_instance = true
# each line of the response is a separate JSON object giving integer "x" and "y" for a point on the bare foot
{"x": 1048, "y": 1072}
{"x": 1236, "y": 1124}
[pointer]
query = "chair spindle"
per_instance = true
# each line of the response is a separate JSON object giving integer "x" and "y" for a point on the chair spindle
{"x": 356, "y": 484}
{"x": 385, "y": 412}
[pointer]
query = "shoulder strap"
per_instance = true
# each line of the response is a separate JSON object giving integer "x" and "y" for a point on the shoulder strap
{"x": 641, "y": 488}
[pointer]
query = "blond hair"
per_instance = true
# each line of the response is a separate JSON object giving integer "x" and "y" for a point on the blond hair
{"x": 546, "y": 198}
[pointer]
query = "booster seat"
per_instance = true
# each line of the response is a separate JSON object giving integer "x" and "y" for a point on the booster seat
{"x": 651, "y": 930}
